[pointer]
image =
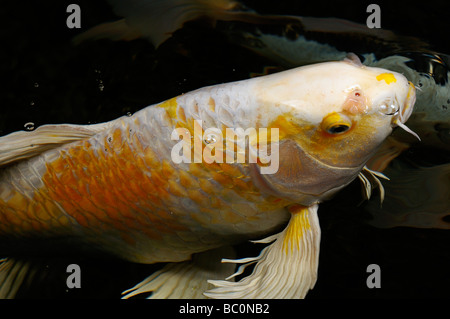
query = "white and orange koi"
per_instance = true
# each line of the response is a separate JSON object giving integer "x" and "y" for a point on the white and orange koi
{"x": 114, "y": 186}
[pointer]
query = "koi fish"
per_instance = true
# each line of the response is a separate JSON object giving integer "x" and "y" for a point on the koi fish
{"x": 115, "y": 186}
{"x": 292, "y": 41}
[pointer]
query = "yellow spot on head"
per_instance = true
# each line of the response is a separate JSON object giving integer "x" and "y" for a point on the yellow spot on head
{"x": 387, "y": 77}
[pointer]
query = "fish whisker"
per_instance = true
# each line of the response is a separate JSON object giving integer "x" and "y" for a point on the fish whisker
{"x": 407, "y": 129}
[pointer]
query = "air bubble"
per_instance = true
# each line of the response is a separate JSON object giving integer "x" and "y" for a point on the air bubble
{"x": 29, "y": 126}
{"x": 210, "y": 138}
{"x": 388, "y": 109}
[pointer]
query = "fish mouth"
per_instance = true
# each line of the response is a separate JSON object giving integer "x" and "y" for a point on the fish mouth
{"x": 406, "y": 110}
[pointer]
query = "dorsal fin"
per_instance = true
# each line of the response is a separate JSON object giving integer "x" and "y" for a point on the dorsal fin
{"x": 22, "y": 145}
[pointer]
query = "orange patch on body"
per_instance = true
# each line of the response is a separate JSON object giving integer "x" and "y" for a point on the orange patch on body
{"x": 197, "y": 196}
{"x": 111, "y": 187}
{"x": 122, "y": 184}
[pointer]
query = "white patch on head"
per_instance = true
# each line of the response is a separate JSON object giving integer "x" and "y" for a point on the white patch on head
{"x": 313, "y": 91}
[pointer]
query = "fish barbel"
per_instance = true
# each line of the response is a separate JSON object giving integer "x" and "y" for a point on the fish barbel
{"x": 116, "y": 187}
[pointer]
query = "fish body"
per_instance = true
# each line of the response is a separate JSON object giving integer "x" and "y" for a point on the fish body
{"x": 116, "y": 186}
{"x": 120, "y": 190}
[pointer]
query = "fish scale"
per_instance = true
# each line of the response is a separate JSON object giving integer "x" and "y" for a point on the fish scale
{"x": 119, "y": 185}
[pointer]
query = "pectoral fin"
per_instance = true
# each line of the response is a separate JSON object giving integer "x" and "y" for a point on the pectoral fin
{"x": 285, "y": 269}
{"x": 185, "y": 280}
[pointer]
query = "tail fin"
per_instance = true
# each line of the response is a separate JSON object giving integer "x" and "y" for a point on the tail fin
{"x": 13, "y": 273}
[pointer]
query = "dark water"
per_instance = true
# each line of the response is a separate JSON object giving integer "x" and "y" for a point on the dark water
{"x": 48, "y": 80}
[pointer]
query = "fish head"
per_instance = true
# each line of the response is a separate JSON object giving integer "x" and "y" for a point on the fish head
{"x": 331, "y": 118}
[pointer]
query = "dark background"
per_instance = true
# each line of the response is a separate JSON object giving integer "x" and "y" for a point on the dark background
{"x": 45, "y": 79}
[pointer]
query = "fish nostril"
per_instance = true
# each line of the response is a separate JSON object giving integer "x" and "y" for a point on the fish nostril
{"x": 356, "y": 102}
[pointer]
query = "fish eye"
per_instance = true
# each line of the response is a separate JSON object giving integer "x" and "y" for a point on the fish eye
{"x": 338, "y": 128}
{"x": 336, "y": 123}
